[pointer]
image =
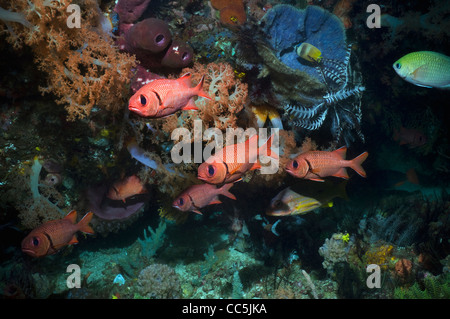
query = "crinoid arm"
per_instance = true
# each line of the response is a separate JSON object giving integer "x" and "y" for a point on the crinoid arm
{"x": 342, "y": 103}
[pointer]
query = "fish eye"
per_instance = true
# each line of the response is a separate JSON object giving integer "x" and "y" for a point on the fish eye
{"x": 277, "y": 204}
{"x": 143, "y": 100}
{"x": 397, "y": 65}
{"x": 181, "y": 201}
{"x": 295, "y": 164}
{"x": 35, "y": 241}
{"x": 211, "y": 170}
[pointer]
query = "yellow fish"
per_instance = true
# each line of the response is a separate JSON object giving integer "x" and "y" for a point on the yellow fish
{"x": 425, "y": 68}
{"x": 288, "y": 203}
{"x": 309, "y": 52}
{"x": 262, "y": 112}
{"x": 313, "y": 195}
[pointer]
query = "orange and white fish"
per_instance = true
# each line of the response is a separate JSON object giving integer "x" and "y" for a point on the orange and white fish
{"x": 315, "y": 165}
{"x": 196, "y": 197}
{"x": 125, "y": 188}
{"x": 163, "y": 97}
{"x": 262, "y": 112}
{"x": 53, "y": 235}
{"x": 229, "y": 164}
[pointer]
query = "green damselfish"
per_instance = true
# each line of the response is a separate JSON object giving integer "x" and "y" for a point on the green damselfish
{"x": 425, "y": 68}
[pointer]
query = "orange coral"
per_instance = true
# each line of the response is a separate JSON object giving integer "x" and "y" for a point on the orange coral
{"x": 403, "y": 267}
{"x": 220, "y": 4}
{"x": 342, "y": 10}
{"x": 379, "y": 255}
{"x": 231, "y": 12}
{"x": 83, "y": 66}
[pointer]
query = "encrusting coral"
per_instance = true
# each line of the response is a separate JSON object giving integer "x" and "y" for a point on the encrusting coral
{"x": 84, "y": 68}
{"x": 159, "y": 281}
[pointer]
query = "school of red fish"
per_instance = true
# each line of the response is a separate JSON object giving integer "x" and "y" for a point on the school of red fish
{"x": 161, "y": 98}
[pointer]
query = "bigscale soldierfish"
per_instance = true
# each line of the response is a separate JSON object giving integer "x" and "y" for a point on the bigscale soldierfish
{"x": 51, "y": 236}
{"x": 163, "y": 97}
{"x": 315, "y": 165}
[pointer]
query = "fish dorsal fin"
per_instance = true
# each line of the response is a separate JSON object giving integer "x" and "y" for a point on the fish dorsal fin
{"x": 72, "y": 216}
{"x": 186, "y": 79}
{"x": 342, "y": 151}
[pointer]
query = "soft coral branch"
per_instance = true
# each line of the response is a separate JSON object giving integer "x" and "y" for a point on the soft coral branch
{"x": 84, "y": 67}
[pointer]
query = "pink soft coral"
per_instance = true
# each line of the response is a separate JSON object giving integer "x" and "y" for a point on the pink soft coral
{"x": 229, "y": 94}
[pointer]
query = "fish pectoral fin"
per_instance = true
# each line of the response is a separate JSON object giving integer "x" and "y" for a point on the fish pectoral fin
{"x": 257, "y": 165}
{"x": 197, "y": 211}
{"x": 342, "y": 173}
{"x": 74, "y": 240}
{"x": 419, "y": 72}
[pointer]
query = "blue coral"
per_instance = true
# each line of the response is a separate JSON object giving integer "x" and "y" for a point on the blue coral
{"x": 286, "y": 27}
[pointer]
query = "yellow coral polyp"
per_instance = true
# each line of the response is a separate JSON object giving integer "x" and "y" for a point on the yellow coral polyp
{"x": 105, "y": 133}
{"x": 346, "y": 238}
{"x": 380, "y": 256}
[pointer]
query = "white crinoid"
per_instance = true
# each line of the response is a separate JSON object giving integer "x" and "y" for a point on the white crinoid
{"x": 342, "y": 103}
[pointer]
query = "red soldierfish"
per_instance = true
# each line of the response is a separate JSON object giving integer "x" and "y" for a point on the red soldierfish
{"x": 229, "y": 164}
{"x": 198, "y": 196}
{"x": 163, "y": 97}
{"x": 412, "y": 137}
{"x": 125, "y": 188}
{"x": 51, "y": 236}
{"x": 315, "y": 165}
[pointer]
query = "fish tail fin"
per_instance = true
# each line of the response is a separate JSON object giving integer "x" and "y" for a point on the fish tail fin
{"x": 266, "y": 149}
{"x": 83, "y": 224}
{"x": 275, "y": 119}
{"x": 224, "y": 190}
{"x": 355, "y": 164}
{"x": 199, "y": 89}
